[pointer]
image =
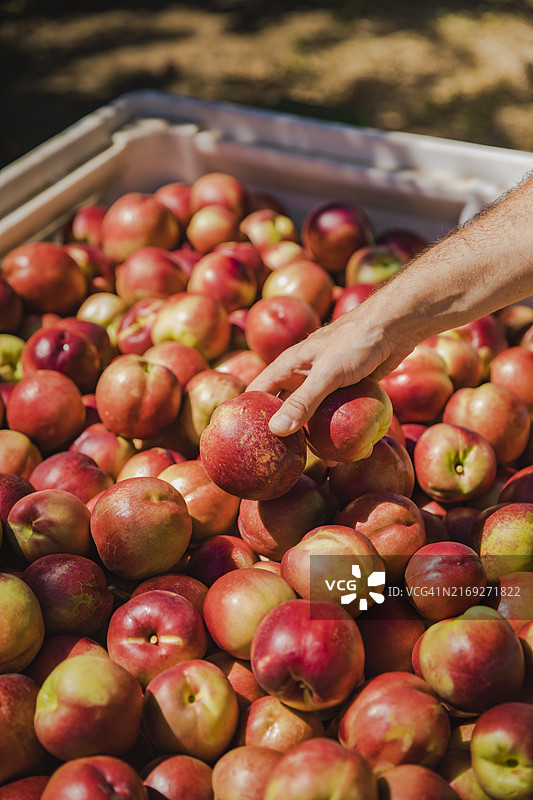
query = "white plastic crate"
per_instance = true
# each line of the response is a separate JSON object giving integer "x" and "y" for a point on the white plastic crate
{"x": 145, "y": 139}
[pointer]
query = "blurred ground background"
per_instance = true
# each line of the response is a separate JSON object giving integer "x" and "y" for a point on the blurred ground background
{"x": 456, "y": 69}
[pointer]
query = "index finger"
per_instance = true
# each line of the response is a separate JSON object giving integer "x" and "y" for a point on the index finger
{"x": 280, "y": 375}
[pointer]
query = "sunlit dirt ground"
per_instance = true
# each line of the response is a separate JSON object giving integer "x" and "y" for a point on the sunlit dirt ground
{"x": 459, "y": 70}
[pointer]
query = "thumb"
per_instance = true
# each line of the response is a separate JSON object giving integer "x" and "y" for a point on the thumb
{"x": 298, "y": 408}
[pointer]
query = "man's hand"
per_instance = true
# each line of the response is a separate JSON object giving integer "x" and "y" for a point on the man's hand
{"x": 481, "y": 267}
{"x": 339, "y": 354}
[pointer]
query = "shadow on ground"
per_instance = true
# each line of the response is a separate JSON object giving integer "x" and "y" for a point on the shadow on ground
{"x": 33, "y": 115}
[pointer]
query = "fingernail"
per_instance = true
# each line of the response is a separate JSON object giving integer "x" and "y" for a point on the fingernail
{"x": 281, "y": 423}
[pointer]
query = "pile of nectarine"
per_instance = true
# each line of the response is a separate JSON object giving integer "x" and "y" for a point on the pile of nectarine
{"x": 192, "y": 607}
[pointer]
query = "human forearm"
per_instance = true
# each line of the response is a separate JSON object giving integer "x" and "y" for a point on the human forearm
{"x": 476, "y": 270}
{"x": 484, "y": 266}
